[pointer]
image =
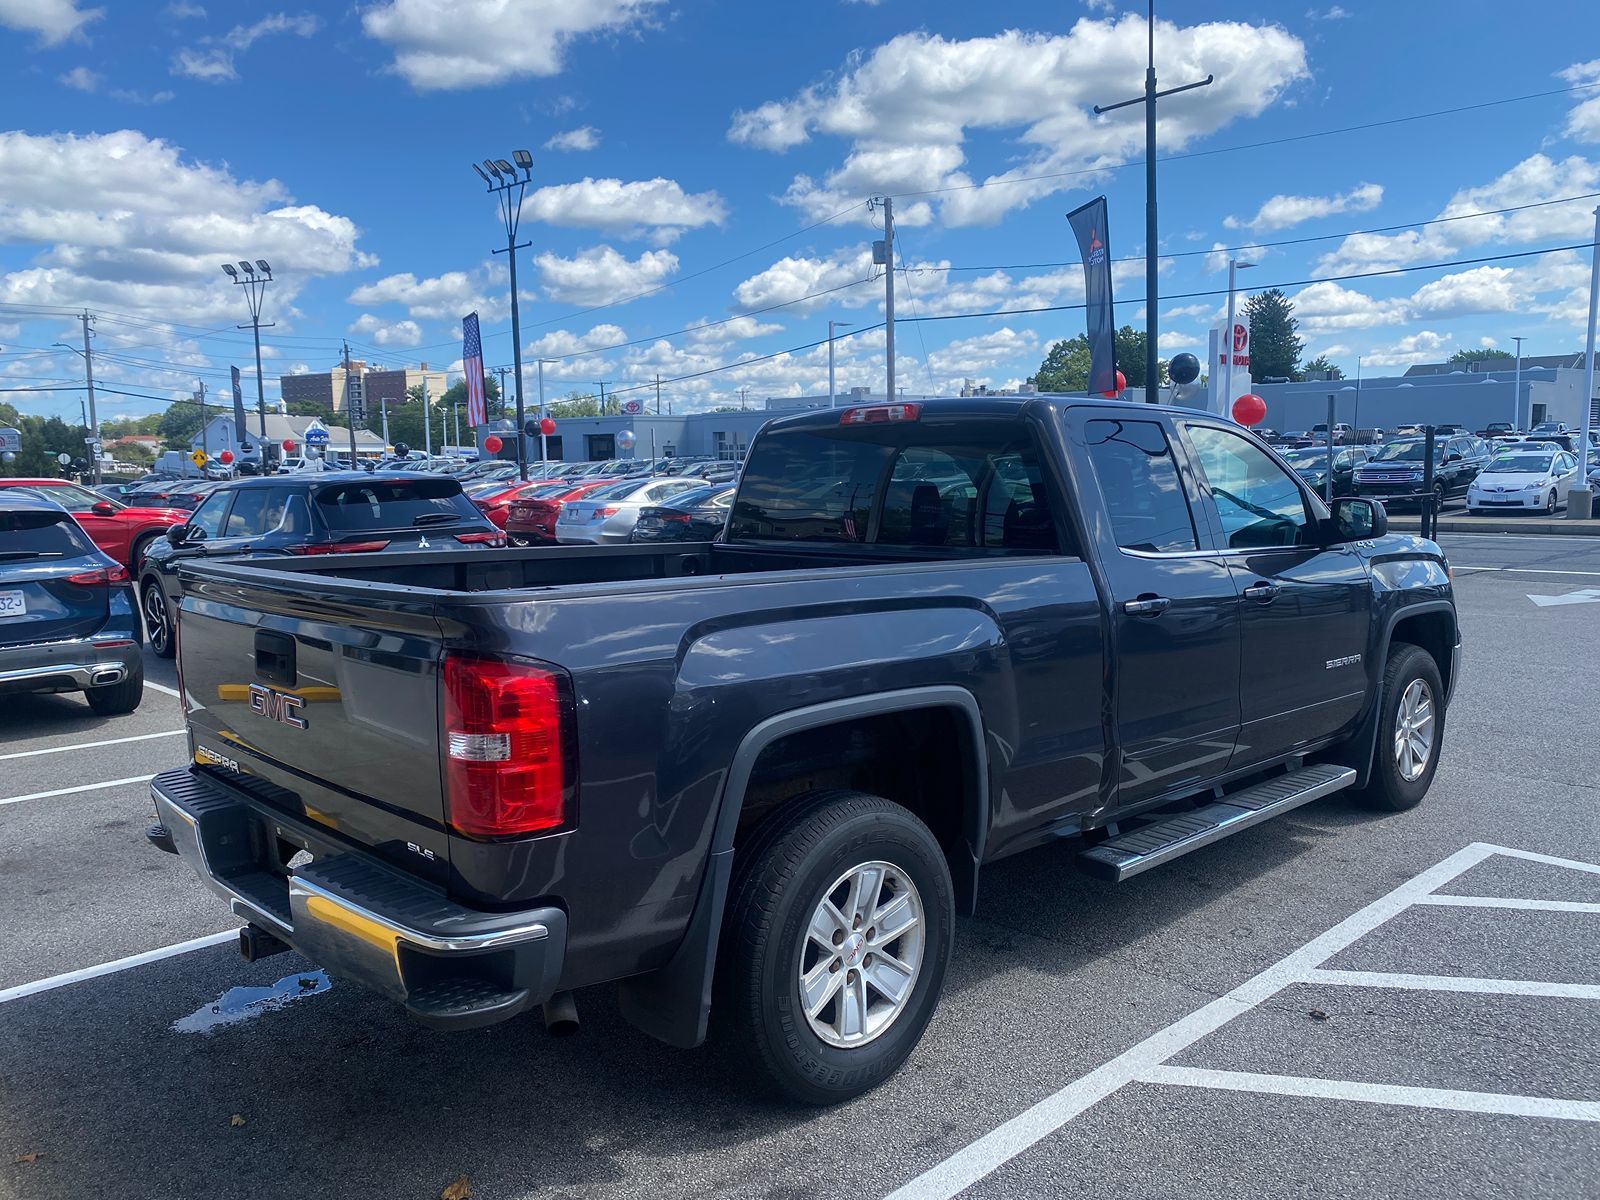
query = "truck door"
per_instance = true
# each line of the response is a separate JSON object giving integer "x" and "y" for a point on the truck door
{"x": 1306, "y": 607}
{"x": 1174, "y": 609}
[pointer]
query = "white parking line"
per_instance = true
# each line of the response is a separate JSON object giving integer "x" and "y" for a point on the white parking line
{"x": 161, "y": 687}
{"x": 111, "y": 968}
{"x": 1519, "y": 570}
{"x": 1455, "y": 983}
{"x": 1377, "y": 1093}
{"x": 71, "y": 791}
{"x": 137, "y": 737}
{"x": 1571, "y": 906}
{"x": 1146, "y": 1060}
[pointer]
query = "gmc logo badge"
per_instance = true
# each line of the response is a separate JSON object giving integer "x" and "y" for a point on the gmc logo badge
{"x": 277, "y": 706}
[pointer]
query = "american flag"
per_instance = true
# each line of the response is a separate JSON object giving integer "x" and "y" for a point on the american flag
{"x": 472, "y": 364}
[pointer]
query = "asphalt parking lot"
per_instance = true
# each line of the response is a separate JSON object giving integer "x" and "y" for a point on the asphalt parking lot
{"x": 1331, "y": 1004}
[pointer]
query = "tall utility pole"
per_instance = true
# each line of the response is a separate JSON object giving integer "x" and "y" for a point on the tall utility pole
{"x": 455, "y": 419}
{"x": 883, "y": 255}
{"x": 508, "y": 188}
{"x": 348, "y": 415}
{"x": 255, "y": 287}
{"x": 658, "y": 394}
{"x": 427, "y": 420}
{"x": 1152, "y": 289}
{"x": 205, "y": 435}
{"x": 88, "y": 385}
{"x": 502, "y": 372}
{"x": 1516, "y": 393}
{"x": 602, "y": 384}
{"x": 1580, "y": 501}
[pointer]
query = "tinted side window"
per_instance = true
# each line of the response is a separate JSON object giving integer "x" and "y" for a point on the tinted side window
{"x": 1259, "y": 502}
{"x": 247, "y": 517}
{"x": 209, "y": 515}
{"x": 1139, "y": 481}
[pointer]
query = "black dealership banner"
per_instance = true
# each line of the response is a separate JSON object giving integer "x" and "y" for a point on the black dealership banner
{"x": 238, "y": 410}
{"x": 1089, "y": 224}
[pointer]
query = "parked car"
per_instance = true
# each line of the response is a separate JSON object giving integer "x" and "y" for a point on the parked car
{"x": 934, "y": 634}
{"x": 318, "y": 513}
{"x": 1525, "y": 479}
{"x": 1311, "y": 463}
{"x": 119, "y": 491}
{"x": 68, "y": 622}
{"x": 693, "y": 516}
{"x": 177, "y": 493}
{"x": 1498, "y": 429}
{"x": 1395, "y": 475}
{"x": 531, "y": 519}
{"x": 1342, "y": 433}
{"x": 124, "y": 531}
{"x": 607, "y": 515}
{"x": 494, "y": 500}
{"x": 1549, "y": 427}
{"x": 297, "y": 464}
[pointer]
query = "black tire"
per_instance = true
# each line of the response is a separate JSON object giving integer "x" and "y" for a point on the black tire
{"x": 118, "y": 698}
{"x": 780, "y": 881}
{"x": 1389, "y": 790}
{"x": 158, "y": 615}
{"x": 1550, "y": 504}
{"x": 136, "y": 553}
{"x": 1438, "y": 499}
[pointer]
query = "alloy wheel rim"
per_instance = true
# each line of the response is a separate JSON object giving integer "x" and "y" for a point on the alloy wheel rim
{"x": 1414, "y": 730}
{"x": 155, "y": 616}
{"x": 862, "y": 955}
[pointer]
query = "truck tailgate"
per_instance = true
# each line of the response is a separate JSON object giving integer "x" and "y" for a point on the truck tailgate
{"x": 335, "y": 703}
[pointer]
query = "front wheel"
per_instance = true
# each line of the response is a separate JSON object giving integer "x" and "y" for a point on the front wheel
{"x": 838, "y": 935}
{"x": 158, "y": 619}
{"x": 1410, "y": 729}
{"x": 1550, "y": 504}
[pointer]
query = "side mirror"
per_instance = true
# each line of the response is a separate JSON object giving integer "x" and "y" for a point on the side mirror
{"x": 175, "y": 534}
{"x": 103, "y": 508}
{"x": 1357, "y": 519}
{"x": 1452, "y": 458}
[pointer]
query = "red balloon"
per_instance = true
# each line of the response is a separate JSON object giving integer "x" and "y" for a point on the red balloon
{"x": 492, "y": 444}
{"x": 288, "y": 445}
{"x": 1249, "y": 409}
{"x": 1122, "y": 383}
{"x": 225, "y": 457}
{"x": 547, "y": 427}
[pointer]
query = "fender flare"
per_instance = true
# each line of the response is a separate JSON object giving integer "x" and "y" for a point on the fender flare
{"x": 673, "y": 1003}
{"x": 1363, "y": 745}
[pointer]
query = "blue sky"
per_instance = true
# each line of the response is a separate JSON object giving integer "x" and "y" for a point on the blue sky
{"x": 719, "y": 154}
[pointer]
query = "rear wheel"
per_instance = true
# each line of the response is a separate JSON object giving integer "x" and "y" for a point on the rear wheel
{"x": 837, "y": 939}
{"x": 1550, "y": 504}
{"x": 118, "y": 698}
{"x": 136, "y": 552}
{"x": 1410, "y": 730}
{"x": 158, "y": 617}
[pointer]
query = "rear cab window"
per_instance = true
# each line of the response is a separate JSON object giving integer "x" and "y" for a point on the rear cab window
{"x": 368, "y": 505}
{"x": 25, "y": 535}
{"x": 958, "y": 485}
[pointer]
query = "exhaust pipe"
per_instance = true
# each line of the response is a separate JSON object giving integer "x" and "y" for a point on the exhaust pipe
{"x": 106, "y": 677}
{"x": 561, "y": 1015}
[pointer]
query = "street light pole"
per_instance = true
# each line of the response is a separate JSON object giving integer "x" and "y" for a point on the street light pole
{"x": 544, "y": 441}
{"x": 1516, "y": 394}
{"x": 383, "y": 412}
{"x": 505, "y": 182}
{"x": 255, "y": 287}
{"x": 833, "y": 392}
{"x": 88, "y": 383}
{"x": 1580, "y": 500}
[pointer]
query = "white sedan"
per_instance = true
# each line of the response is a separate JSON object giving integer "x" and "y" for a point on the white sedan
{"x": 607, "y": 515}
{"x": 1524, "y": 478}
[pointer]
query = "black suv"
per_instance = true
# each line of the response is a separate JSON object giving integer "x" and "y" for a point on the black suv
{"x": 1394, "y": 473}
{"x": 349, "y": 512}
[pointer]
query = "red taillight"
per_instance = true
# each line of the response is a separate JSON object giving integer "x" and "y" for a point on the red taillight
{"x": 609, "y": 510}
{"x": 877, "y": 414}
{"x": 509, "y": 765}
{"x": 100, "y": 577}
{"x": 677, "y": 518}
{"x": 481, "y": 539}
{"x": 338, "y": 547}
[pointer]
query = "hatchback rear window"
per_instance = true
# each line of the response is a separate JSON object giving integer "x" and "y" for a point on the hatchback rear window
{"x": 371, "y": 504}
{"x": 41, "y": 534}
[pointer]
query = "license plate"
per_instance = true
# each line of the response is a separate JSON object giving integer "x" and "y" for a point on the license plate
{"x": 13, "y": 604}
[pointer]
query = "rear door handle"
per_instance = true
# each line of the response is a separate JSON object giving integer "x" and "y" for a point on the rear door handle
{"x": 1146, "y": 606}
{"x": 1262, "y": 593}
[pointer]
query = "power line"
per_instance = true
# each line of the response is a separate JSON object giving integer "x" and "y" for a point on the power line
{"x": 1280, "y": 141}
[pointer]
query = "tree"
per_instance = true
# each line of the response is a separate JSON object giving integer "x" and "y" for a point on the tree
{"x": 576, "y": 405}
{"x": 178, "y": 425}
{"x": 1466, "y": 358}
{"x": 1066, "y": 367}
{"x": 1274, "y": 348}
{"x": 1130, "y": 356}
{"x": 1319, "y": 364}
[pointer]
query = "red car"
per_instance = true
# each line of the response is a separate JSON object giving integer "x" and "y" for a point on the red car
{"x": 495, "y": 502}
{"x": 120, "y": 530}
{"x": 532, "y": 516}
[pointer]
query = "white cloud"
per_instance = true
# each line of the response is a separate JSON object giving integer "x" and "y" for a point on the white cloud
{"x": 563, "y": 343}
{"x": 659, "y": 207}
{"x": 212, "y": 62}
{"x": 1172, "y": 341}
{"x": 446, "y": 297}
{"x": 1101, "y": 6}
{"x": 1481, "y": 290}
{"x": 181, "y": 10}
{"x": 81, "y": 78}
{"x": 53, "y": 20}
{"x": 1424, "y": 346}
{"x": 1219, "y": 254}
{"x": 585, "y": 138}
{"x": 1583, "y": 122}
{"x": 1327, "y": 307}
{"x": 735, "y": 329}
{"x": 145, "y": 230}
{"x": 1327, "y": 14}
{"x": 386, "y": 333}
{"x": 909, "y": 106}
{"x": 1281, "y": 211}
{"x": 455, "y": 44}
{"x": 131, "y": 96}
{"x": 600, "y": 275}
{"x": 791, "y": 277}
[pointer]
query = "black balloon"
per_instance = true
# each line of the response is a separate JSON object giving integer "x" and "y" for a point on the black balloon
{"x": 1184, "y": 368}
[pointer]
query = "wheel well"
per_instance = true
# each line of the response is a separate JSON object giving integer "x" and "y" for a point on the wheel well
{"x": 922, "y": 759}
{"x": 1435, "y": 633}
